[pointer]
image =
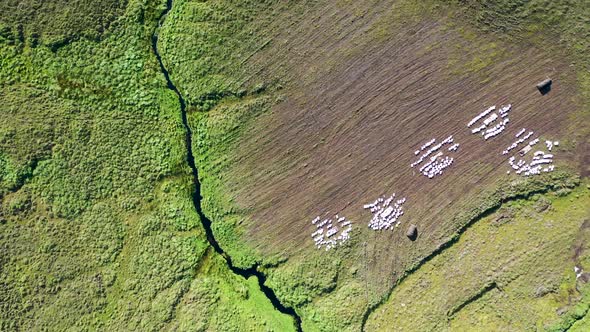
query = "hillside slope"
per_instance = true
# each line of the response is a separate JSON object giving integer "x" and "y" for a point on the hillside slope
{"x": 305, "y": 109}
{"x": 295, "y": 110}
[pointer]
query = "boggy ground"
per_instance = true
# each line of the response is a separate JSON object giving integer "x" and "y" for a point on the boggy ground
{"x": 317, "y": 108}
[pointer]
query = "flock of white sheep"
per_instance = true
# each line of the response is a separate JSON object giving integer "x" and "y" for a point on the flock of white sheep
{"x": 432, "y": 160}
{"x": 384, "y": 213}
{"x": 498, "y": 127}
{"x": 435, "y": 164}
{"x": 540, "y": 162}
{"x": 329, "y": 234}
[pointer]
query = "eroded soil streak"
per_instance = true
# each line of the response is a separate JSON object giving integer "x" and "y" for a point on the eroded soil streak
{"x": 246, "y": 273}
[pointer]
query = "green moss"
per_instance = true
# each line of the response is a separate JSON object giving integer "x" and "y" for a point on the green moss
{"x": 55, "y": 23}
{"x": 215, "y": 131}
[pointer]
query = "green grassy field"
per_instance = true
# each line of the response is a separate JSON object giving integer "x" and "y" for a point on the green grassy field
{"x": 97, "y": 226}
{"x": 512, "y": 270}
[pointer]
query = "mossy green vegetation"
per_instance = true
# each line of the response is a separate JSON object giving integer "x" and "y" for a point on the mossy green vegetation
{"x": 526, "y": 250}
{"x": 217, "y": 37}
{"x": 222, "y": 301}
{"x": 55, "y": 23}
{"x": 97, "y": 226}
{"x": 222, "y": 125}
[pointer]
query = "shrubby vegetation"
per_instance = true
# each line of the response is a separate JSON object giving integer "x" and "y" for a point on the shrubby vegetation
{"x": 97, "y": 225}
{"x": 54, "y": 23}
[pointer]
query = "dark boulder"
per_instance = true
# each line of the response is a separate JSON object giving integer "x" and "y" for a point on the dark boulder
{"x": 412, "y": 232}
{"x": 544, "y": 86}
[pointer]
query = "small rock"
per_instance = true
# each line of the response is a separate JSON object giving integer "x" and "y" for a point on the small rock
{"x": 545, "y": 86}
{"x": 412, "y": 232}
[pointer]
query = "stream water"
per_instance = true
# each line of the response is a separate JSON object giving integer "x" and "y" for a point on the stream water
{"x": 246, "y": 273}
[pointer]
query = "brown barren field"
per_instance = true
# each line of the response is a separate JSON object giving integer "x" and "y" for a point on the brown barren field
{"x": 349, "y": 137}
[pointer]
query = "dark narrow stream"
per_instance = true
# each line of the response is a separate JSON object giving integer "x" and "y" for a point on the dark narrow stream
{"x": 246, "y": 273}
